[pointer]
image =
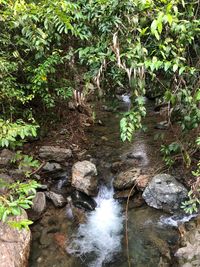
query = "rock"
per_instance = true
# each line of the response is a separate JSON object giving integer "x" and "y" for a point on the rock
{"x": 164, "y": 192}
{"x": 83, "y": 201}
{"x": 118, "y": 166}
{"x": 5, "y": 157}
{"x": 17, "y": 174}
{"x": 75, "y": 214}
{"x": 106, "y": 108}
{"x": 46, "y": 238}
{"x": 71, "y": 105}
{"x": 52, "y": 167}
{"x": 136, "y": 156}
{"x": 84, "y": 177}
{"x": 123, "y": 194}
{"x": 142, "y": 181}
{"x": 163, "y": 125}
{"x": 126, "y": 179}
{"x": 57, "y": 199}
{"x": 38, "y": 207}
{"x": 4, "y": 179}
{"x": 55, "y": 153}
{"x": 60, "y": 240}
{"x": 14, "y": 244}
{"x": 189, "y": 254}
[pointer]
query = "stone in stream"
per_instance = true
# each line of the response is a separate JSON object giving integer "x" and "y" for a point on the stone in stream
{"x": 14, "y": 244}
{"x": 126, "y": 179}
{"x": 83, "y": 201}
{"x": 52, "y": 167}
{"x": 55, "y": 153}
{"x": 163, "y": 125}
{"x": 57, "y": 199}
{"x": 84, "y": 177}
{"x": 189, "y": 252}
{"x": 164, "y": 192}
{"x": 38, "y": 207}
{"x": 131, "y": 177}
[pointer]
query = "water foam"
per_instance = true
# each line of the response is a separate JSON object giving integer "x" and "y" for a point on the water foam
{"x": 101, "y": 234}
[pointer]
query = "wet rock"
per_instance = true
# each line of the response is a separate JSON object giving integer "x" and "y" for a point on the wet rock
{"x": 4, "y": 179}
{"x": 84, "y": 177}
{"x": 164, "y": 192}
{"x": 60, "y": 240}
{"x": 46, "y": 238}
{"x": 118, "y": 166}
{"x": 136, "y": 156}
{"x": 14, "y": 244}
{"x": 57, "y": 199}
{"x": 83, "y": 201}
{"x": 55, "y": 153}
{"x": 123, "y": 194}
{"x": 52, "y": 167}
{"x": 142, "y": 181}
{"x": 106, "y": 108}
{"x": 43, "y": 187}
{"x": 126, "y": 179}
{"x": 5, "y": 157}
{"x": 163, "y": 125}
{"x": 38, "y": 207}
{"x": 189, "y": 254}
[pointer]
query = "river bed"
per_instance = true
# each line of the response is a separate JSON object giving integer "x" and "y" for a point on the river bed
{"x": 100, "y": 241}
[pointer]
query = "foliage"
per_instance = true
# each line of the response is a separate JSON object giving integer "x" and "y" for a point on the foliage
{"x": 193, "y": 203}
{"x": 17, "y": 196}
{"x": 14, "y": 134}
{"x": 25, "y": 163}
{"x": 132, "y": 121}
{"x": 169, "y": 151}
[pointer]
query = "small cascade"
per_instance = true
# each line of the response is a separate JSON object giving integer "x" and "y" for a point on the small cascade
{"x": 101, "y": 234}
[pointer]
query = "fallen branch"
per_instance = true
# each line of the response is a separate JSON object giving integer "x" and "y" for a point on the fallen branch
{"x": 39, "y": 168}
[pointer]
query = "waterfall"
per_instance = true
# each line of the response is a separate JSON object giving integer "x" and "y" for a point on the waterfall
{"x": 101, "y": 234}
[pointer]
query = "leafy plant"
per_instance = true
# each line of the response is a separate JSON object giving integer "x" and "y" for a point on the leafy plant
{"x": 193, "y": 203}
{"x": 17, "y": 196}
{"x": 25, "y": 163}
{"x": 169, "y": 151}
{"x": 14, "y": 134}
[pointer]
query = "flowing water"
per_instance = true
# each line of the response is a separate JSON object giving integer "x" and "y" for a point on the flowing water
{"x": 102, "y": 233}
{"x": 100, "y": 240}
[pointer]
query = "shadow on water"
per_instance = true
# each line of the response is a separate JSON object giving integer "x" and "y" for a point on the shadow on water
{"x": 100, "y": 241}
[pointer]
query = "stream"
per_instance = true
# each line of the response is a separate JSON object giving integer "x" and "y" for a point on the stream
{"x": 100, "y": 240}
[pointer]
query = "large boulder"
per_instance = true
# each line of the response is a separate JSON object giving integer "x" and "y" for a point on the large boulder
{"x": 84, "y": 177}
{"x": 164, "y": 192}
{"x": 14, "y": 244}
{"x": 55, "y": 153}
{"x": 5, "y": 157}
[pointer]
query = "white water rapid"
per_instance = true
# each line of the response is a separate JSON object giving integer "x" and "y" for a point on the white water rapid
{"x": 101, "y": 234}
